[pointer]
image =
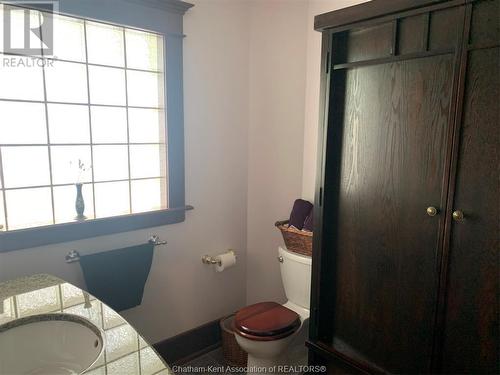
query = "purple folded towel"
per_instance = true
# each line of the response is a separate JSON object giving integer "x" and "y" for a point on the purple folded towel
{"x": 309, "y": 223}
{"x": 301, "y": 209}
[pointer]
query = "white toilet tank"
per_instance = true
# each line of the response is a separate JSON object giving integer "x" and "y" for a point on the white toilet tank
{"x": 296, "y": 277}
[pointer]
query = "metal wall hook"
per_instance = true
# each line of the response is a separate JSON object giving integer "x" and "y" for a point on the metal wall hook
{"x": 72, "y": 256}
{"x": 155, "y": 240}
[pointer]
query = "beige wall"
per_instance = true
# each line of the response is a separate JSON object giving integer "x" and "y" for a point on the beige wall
{"x": 277, "y": 87}
{"x": 285, "y": 56}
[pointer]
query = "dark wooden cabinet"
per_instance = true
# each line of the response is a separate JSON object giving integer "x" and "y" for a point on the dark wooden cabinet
{"x": 410, "y": 118}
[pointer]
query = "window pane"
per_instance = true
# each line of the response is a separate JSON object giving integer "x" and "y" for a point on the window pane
{"x": 105, "y": 44}
{"x": 100, "y": 152}
{"x": 22, "y": 123}
{"x": 66, "y": 82}
{"x": 148, "y": 195}
{"x": 144, "y": 50}
{"x": 29, "y": 208}
{"x": 144, "y": 89}
{"x": 69, "y": 123}
{"x": 64, "y": 203}
{"x": 109, "y": 125}
{"x": 146, "y": 125}
{"x": 2, "y": 214}
{"x": 36, "y": 20}
{"x": 111, "y": 199}
{"x": 110, "y": 163}
{"x": 145, "y": 161}
{"x": 17, "y": 29}
{"x": 25, "y": 166}
{"x": 69, "y": 38}
{"x": 1, "y": 27}
{"x": 20, "y": 81}
{"x": 107, "y": 85}
{"x": 65, "y": 164}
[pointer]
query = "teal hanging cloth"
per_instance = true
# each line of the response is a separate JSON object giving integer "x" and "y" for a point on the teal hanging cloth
{"x": 117, "y": 277}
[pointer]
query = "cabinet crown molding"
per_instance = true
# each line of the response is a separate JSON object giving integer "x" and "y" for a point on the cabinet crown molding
{"x": 372, "y": 10}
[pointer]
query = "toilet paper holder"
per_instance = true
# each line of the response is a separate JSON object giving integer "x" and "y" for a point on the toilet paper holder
{"x": 208, "y": 259}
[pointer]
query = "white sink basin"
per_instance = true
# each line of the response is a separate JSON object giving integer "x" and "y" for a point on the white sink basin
{"x": 49, "y": 344}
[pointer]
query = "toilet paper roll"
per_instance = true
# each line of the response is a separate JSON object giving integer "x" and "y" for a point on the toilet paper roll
{"x": 227, "y": 260}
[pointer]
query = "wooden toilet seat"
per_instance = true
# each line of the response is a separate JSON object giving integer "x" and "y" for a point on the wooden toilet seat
{"x": 266, "y": 321}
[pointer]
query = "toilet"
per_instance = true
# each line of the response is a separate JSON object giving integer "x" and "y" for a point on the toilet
{"x": 272, "y": 334}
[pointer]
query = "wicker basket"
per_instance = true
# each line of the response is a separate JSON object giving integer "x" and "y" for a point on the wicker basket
{"x": 233, "y": 354}
{"x": 297, "y": 241}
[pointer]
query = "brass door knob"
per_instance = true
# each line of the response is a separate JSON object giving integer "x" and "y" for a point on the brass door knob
{"x": 432, "y": 211}
{"x": 458, "y": 216}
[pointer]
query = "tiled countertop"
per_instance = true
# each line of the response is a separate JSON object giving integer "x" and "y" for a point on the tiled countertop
{"x": 126, "y": 352}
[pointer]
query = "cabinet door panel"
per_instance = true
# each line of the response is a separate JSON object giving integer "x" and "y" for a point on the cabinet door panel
{"x": 471, "y": 340}
{"x": 383, "y": 246}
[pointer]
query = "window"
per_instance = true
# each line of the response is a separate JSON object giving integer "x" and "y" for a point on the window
{"x": 92, "y": 113}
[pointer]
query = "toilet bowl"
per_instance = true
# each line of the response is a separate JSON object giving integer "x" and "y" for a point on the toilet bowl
{"x": 272, "y": 334}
